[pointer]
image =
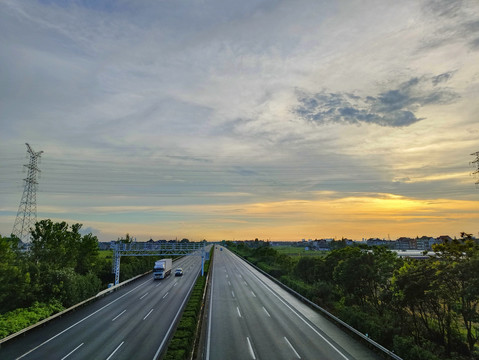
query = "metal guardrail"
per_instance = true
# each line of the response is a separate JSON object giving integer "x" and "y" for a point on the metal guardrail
{"x": 330, "y": 316}
{"x": 74, "y": 307}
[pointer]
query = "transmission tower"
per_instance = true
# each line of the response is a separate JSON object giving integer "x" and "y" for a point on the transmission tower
{"x": 27, "y": 211}
{"x": 476, "y": 154}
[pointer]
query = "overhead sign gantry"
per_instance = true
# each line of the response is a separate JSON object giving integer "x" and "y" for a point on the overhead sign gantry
{"x": 155, "y": 249}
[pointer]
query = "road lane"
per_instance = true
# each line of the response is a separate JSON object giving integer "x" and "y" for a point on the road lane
{"x": 132, "y": 322}
{"x": 252, "y": 318}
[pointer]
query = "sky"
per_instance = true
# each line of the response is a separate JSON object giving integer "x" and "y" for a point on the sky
{"x": 219, "y": 119}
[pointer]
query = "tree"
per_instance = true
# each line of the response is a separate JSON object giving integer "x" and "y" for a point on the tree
{"x": 460, "y": 260}
{"x": 55, "y": 244}
{"x": 11, "y": 276}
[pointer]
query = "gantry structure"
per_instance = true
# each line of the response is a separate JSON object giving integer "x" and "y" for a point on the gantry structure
{"x": 155, "y": 249}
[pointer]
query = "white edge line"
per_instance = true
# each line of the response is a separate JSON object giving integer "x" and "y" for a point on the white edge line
{"x": 71, "y": 352}
{"x": 173, "y": 322}
{"x": 208, "y": 343}
{"x": 251, "y": 349}
{"x": 296, "y": 313}
{"x": 80, "y": 321}
{"x": 292, "y": 348}
{"x": 114, "y": 351}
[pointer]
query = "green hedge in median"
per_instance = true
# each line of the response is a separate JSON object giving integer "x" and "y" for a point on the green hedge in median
{"x": 183, "y": 341}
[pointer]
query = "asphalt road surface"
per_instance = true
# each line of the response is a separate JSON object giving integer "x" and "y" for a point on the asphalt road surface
{"x": 130, "y": 323}
{"x": 251, "y": 317}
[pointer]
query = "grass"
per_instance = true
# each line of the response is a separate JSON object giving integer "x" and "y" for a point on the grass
{"x": 105, "y": 254}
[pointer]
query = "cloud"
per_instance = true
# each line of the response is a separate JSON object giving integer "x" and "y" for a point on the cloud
{"x": 442, "y": 77}
{"x": 89, "y": 230}
{"x": 457, "y": 23}
{"x": 391, "y": 108}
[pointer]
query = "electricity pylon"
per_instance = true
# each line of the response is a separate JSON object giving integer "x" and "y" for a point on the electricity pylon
{"x": 476, "y": 154}
{"x": 27, "y": 211}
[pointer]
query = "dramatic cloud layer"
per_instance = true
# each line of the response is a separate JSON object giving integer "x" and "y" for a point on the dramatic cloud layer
{"x": 395, "y": 108}
{"x": 254, "y": 118}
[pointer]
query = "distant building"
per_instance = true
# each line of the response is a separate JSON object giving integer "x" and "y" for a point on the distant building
{"x": 376, "y": 242}
{"x": 425, "y": 243}
{"x": 443, "y": 239}
{"x": 405, "y": 243}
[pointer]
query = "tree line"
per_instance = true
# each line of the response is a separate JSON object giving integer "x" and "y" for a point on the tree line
{"x": 61, "y": 268}
{"x": 422, "y": 309}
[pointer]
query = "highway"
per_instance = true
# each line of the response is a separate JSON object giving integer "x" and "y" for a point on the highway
{"x": 132, "y": 322}
{"x": 251, "y": 317}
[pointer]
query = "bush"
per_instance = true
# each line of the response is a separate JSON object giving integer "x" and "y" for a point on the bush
{"x": 18, "y": 319}
{"x": 408, "y": 350}
{"x": 184, "y": 338}
{"x": 178, "y": 354}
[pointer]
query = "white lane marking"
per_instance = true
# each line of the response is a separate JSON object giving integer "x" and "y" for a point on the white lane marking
{"x": 266, "y": 311}
{"x": 158, "y": 285}
{"x": 241, "y": 276}
{"x": 148, "y": 314}
{"x": 239, "y": 314}
{"x": 227, "y": 275}
{"x": 71, "y": 352}
{"x": 232, "y": 293}
{"x": 120, "y": 314}
{"x": 296, "y": 313}
{"x": 167, "y": 335}
{"x": 165, "y": 295}
{"x": 245, "y": 283}
{"x": 80, "y": 321}
{"x": 109, "y": 357}
{"x": 229, "y": 283}
{"x": 176, "y": 283}
{"x": 292, "y": 348}
{"x": 253, "y": 294}
{"x": 144, "y": 296}
{"x": 250, "y": 349}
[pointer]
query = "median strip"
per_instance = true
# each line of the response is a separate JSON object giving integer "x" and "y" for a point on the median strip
{"x": 184, "y": 341}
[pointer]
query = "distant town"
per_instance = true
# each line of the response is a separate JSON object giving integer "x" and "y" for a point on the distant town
{"x": 423, "y": 243}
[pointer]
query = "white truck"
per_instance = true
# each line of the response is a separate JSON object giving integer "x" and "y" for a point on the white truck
{"x": 162, "y": 268}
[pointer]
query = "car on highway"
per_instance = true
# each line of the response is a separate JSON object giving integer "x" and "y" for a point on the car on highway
{"x": 179, "y": 272}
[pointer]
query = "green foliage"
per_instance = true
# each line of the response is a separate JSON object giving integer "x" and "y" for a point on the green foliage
{"x": 409, "y": 350}
{"x": 62, "y": 267}
{"x": 422, "y": 309}
{"x": 18, "y": 319}
{"x": 183, "y": 340}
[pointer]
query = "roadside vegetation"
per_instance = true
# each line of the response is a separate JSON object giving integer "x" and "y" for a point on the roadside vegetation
{"x": 422, "y": 309}
{"x": 61, "y": 269}
{"x": 183, "y": 341}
